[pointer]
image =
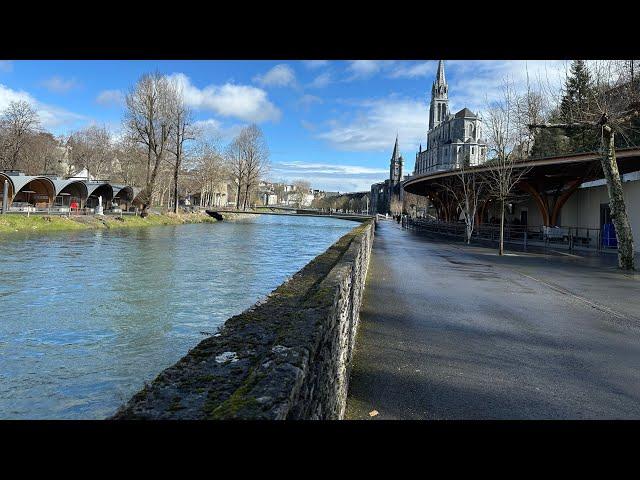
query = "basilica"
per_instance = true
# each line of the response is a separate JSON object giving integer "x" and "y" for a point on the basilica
{"x": 452, "y": 138}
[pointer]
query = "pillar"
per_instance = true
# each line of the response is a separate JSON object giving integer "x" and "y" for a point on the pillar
{"x": 5, "y": 196}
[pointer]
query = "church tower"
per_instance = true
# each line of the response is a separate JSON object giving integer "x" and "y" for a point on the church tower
{"x": 395, "y": 169}
{"x": 439, "y": 108}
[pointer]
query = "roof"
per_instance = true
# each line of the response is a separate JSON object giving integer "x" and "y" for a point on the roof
{"x": 60, "y": 184}
{"x": 464, "y": 113}
{"x": 18, "y": 181}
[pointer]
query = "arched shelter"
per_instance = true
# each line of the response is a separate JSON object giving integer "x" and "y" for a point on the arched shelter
{"x": 69, "y": 191}
{"x": 5, "y": 177}
{"x": 549, "y": 182}
{"x": 137, "y": 201}
{"x": 98, "y": 189}
{"x": 33, "y": 190}
{"x": 123, "y": 195}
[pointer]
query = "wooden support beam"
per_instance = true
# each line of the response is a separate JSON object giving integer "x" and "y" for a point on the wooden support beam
{"x": 572, "y": 186}
{"x": 542, "y": 205}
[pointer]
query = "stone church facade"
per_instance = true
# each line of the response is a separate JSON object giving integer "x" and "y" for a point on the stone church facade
{"x": 387, "y": 196}
{"x": 452, "y": 138}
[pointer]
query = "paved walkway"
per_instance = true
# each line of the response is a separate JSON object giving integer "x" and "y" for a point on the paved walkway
{"x": 455, "y": 332}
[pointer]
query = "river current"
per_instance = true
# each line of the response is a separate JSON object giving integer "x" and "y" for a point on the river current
{"x": 86, "y": 318}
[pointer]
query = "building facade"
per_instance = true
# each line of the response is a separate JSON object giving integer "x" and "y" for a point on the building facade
{"x": 451, "y": 138}
{"x": 386, "y": 197}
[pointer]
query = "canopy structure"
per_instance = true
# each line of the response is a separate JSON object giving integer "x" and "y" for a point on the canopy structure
{"x": 48, "y": 190}
{"x": 98, "y": 189}
{"x": 124, "y": 195}
{"x": 32, "y": 189}
{"x": 550, "y": 181}
{"x": 70, "y": 190}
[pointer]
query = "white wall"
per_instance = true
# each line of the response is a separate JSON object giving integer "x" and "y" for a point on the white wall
{"x": 583, "y": 208}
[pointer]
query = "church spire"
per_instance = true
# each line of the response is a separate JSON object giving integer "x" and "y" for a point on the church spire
{"x": 396, "y": 152}
{"x": 440, "y": 75}
{"x": 395, "y": 167}
{"x": 439, "y": 108}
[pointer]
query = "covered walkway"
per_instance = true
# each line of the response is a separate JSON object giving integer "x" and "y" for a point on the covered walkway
{"x": 455, "y": 332}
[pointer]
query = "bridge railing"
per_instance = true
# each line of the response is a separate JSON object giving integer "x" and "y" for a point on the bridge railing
{"x": 569, "y": 238}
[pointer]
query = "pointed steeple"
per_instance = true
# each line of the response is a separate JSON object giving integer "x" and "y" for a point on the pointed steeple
{"x": 395, "y": 165}
{"x": 440, "y": 80}
{"x": 439, "y": 108}
{"x": 396, "y": 152}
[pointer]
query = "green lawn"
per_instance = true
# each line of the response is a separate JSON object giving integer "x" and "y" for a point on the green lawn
{"x": 10, "y": 223}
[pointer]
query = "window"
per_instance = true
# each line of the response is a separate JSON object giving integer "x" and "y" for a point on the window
{"x": 473, "y": 150}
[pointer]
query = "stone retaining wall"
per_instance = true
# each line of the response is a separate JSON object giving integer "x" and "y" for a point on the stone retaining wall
{"x": 287, "y": 357}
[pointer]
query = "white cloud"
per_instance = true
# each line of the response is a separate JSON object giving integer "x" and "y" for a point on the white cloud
{"x": 332, "y": 177}
{"x": 110, "y": 97}
{"x": 313, "y": 64}
{"x": 58, "y": 84}
{"x": 230, "y": 100}
{"x": 6, "y": 66}
{"x": 477, "y": 83}
{"x": 215, "y": 129}
{"x": 422, "y": 69}
{"x": 307, "y": 101}
{"x": 366, "y": 68}
{"x": 374, "y": 124}
{"x": 279, "y": 76}
{"x": 363, "y": 68}
{"x": 321, "y": 80}
{"x": 51, "y": 116}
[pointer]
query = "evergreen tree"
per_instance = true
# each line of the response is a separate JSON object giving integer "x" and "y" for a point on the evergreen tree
{"x": 576, "y": 104}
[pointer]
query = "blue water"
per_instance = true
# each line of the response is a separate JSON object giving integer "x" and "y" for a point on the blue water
{"x": 87, "y": 318}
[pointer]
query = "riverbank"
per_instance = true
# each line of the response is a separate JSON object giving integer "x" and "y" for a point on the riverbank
{"x": 287, "y": 357}
{"x": 12, "y": 223}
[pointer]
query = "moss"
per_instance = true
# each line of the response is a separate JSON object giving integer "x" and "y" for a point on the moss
{"x": 13, "y": 223}
{"x": 175, "y": 405}
{"x": 239, "y": 400}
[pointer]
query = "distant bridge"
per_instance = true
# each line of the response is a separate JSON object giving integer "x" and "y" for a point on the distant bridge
{"x": 292, "y": 212}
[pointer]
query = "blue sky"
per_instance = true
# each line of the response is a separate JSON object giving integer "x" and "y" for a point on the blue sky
{"x": 330, "y": 122}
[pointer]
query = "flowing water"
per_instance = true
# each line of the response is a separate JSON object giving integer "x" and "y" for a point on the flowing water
{"x": 87, "y": 318}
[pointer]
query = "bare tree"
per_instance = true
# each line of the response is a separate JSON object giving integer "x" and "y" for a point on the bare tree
{"x": 504, "y": 135}
{"x": 612, "y": 107}
{"x": 18, "y": 122}
{"x": 236, "y": 164}
{"x": 467, "y": 190}
{"x": 254, "y": 157}
{"x": 210, "y": 173}
{"x": 181, "y": 120}
{"x": 92, "y": 148}
{"x": 147, "y": 119}
{"x": 395, "y": 205}
{"x": 300, "y": 191}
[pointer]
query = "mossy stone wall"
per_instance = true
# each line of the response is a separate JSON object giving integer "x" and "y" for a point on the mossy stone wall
{"x": 284, "y": 358}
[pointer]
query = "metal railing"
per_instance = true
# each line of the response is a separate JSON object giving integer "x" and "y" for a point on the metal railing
{"x": 569, "y": 238}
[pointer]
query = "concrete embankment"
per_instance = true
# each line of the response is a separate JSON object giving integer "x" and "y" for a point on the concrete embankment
{"x": 11, "y": 223}
{"x": 287, "y": 357}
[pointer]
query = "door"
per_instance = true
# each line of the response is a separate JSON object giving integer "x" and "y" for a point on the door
{"x": 605, "y": 214}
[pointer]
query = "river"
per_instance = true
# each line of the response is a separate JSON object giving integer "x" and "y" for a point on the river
{"x": 86, "y": 318}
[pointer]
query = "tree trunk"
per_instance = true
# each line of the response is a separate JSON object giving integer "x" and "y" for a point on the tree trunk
{"x": 616, "y": 201}
{"x": 175, "y": 189}
{"x": 246, "y": 197}
{"x": 501, "y": 250}
{"x": 238, "y": 196}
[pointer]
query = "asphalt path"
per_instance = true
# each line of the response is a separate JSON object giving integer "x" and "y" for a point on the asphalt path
{"x": 449, "y": 331}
